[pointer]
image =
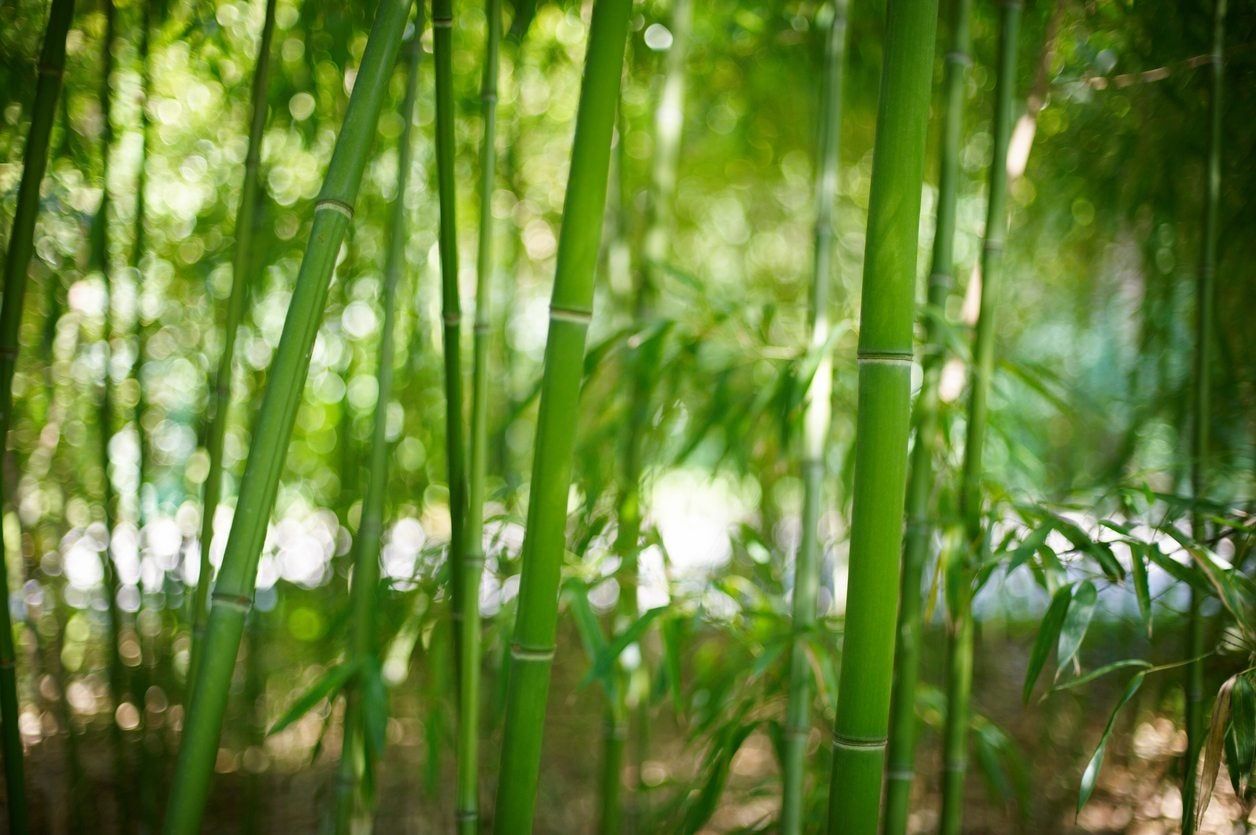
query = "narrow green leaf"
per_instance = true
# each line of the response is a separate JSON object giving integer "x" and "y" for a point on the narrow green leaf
{"x": 1073, "y": 631}
{"x": 1101, "y": 672}
{"x": 324, "y": 687}
{"x": 1243, "y": 723}
{"x": 1048, "y": 634}
{"x": 606, "y": 658}
{"x": 1091, "y": 774}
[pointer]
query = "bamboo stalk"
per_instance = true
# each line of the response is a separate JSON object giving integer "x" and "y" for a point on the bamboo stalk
{"x": 1196, "y": 732}
{"x": 451, "y": 312}
{"x": 641, "y": 362}
{"x": 468, "y": 801}
{"x": 17, "y": 262}
{"x": 902, "y": 748}
{"x": 233, "y": 591}
{"x": 960, "y": 645}
{"x": 815, "y": 431}
{"x": 220, "y": 396}
{"x": 353, "y": 804}
{"x": 532, "y": 650}
{"x": 882, "y": 423}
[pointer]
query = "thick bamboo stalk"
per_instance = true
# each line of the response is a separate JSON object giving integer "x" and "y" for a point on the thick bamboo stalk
{"x": 468, "y": 800}
{"x": 353, "y": 804}
{"x": 902, "y": 748}
{"x": 17, "y": 262}
{"x": 1205, "y": 300}
{"x": 451, "y": 311}
{"x": 220, "y": 396}
{"x": 815, "y": 431}
{"x": 884, "y": 415}
{"x": 960, "y": 635}
{"x": 233, "y": 591}
{"x": 532, "y": 650}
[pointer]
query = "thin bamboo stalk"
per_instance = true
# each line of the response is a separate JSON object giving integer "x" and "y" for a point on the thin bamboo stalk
{"x": 815, "y": 431}
{"x": 1196, "y": 731}
{"x": 532, "y": 650}
{"x": 139, "y": 244}
{"x": 468, "y": 811}
{"x": 233, "y": 591}
{"x": 884, "y": 415}
{"x": 357, "y": 759}
{"x": 960, "y": 644}
{"x": 451, "y": 312}
{"x": 220, "y": 396}
{"x": 642, "y": 361}
{"x": 17, "y": 262}
{"x": 902, "y": 749}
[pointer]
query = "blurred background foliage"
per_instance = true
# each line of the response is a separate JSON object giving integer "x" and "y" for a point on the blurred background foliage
{"x": 1095, "y": 343}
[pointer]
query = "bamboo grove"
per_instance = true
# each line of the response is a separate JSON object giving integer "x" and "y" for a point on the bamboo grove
{"x": 546, "y": 416}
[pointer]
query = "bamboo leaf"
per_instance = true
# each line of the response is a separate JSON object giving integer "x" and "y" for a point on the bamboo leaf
{"x": 1048, "y": 635}
{"x": 1073, "y": 631}
{"x": 1091, "y": 774}
{"x": 1101, "y": 672}
{"x": 607, "y": 657}
{"x": 1211, "y": 753}
{"x": 1243, "y": 725}
{"x": 324, "y": 687}
{"x": 1142, "y": 589}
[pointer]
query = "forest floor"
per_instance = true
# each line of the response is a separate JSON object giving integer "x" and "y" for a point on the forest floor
{"x": 1136, "y": 792}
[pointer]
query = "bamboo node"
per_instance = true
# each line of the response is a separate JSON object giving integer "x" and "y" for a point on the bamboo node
{"x": 238, "y": 602}
{"x": 442, "y": 22}
{"x": 51, "y": 70}
{"x": 467, "y": 815}
{"x": 886, "y": 357}
{"x": 537, "y": 654}
{"x": 567, "y": 314}
{"x": 900, "y": 775}
{"x": 963, "y": 59}
{"x": 452, "y": 319}
{"x": 858, "y": 743}
{"x": 338, "y": 206}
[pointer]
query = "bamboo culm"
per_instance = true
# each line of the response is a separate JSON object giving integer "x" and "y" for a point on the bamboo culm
{"x": 901, "y": 754}
{"x": 468, "y": 800}
{"x": 359, "y": 751}
{"x": 451, "y": 313}
{"x": 642, "y": 359}
{"x": 17, "y": 261}
{"x": 233, "y": 590}
{"x": 220, "y": 395}
{"x": 816, "y": 420}
{"x": 1205, "y": 299}
{"x": 959, "y": 670}
{"x": 883, "y": 418}
{"x": 532, "y": 649}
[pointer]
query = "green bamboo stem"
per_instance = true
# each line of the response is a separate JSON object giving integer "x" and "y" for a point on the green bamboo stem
{"x": 884, "y": 415}
{"x": 1196, "y": 731}
{"x": 641, "y": 361}
{"x": 451, "y": 311}
{"x": 468, "y": 801}
{"x": 233, "y": 591}
{"x": 17, "y": 262}
{"x": 353, "y": 803}
{"x": 532, "y": 650}
{"x": 960, "y": 644}
{"x": 220, "y": 396}
{"x": 815, "y": 432}
{"x": 137, "y": 258}
{"x": 903, "y": 727}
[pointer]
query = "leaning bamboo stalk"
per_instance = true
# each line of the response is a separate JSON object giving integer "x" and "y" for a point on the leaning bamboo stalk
{"x": 815, "y": 431}
{"x": 960, "y": 635}
{"x": 468, "y": 801}
{"x": 17, "y": 262}
{"x": 451, "y": 310}
{"x": 233, "y": 591}
{"x": 1205, "y": 300}
{"x": 532, "y": 650}
{"x": 220, "y": 396}
{"x": 902, "y": 748}
{"x": 882, "y": 423}
{"x": 356, "y": 759}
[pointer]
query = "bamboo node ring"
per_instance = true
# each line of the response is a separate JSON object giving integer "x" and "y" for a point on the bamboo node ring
{"x": 566, "y": 314}
{"x": 522, "y": 653}
{"x": 338, "y": 206}
{"x": 858, "y": 744}
{"x": 442, "y": 22}
{"x": 886, "y": 357}
{"x": 238, "y": 602}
